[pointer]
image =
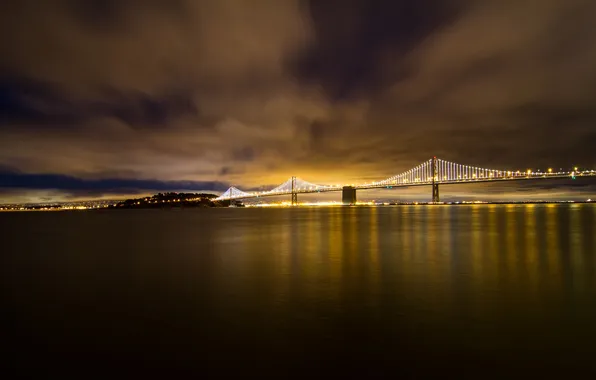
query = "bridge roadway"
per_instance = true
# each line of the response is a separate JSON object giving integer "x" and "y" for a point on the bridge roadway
{"x": 434, "y": 172}
{"x": 413, "y": 184}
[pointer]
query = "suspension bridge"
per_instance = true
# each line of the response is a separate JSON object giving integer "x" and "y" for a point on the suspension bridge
{"x": 433, "y": 172}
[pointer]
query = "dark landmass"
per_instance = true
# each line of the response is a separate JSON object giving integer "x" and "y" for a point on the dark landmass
{"x": 47, "y": 207}
{"x": 172, "y": 200}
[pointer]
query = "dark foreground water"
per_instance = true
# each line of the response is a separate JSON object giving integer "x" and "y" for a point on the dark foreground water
{"x": 462, "y": 291}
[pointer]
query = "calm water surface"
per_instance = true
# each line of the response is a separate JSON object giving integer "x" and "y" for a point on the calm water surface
{"x": 477, "y": 291}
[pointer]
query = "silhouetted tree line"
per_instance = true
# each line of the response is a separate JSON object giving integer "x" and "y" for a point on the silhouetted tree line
{"x": 171, "y": 200}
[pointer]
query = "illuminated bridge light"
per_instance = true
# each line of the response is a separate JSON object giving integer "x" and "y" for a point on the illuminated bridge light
{"x": 421, "y": 174}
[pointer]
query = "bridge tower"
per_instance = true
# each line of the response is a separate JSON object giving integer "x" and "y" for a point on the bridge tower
{"x": 348, "y": 195}
{"x": 435, "y": 184}
{"x": 294, "y": 194}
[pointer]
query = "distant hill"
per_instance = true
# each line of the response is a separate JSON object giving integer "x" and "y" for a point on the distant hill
{"x": 171, "y": 200}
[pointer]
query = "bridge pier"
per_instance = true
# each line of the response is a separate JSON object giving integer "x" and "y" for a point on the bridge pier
{"x": 348, "y": 195}
{"x": 294, "y": 194}
{"x": 435, "y": 178}
{"x": 436, "y": 197}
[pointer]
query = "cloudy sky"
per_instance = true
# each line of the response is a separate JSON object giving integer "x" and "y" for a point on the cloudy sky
{"x": 111, "y": 97}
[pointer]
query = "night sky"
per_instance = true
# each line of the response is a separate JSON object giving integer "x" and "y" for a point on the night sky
{"x": 107, "y": 98}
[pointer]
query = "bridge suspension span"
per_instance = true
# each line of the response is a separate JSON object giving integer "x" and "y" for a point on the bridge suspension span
{"x": 434, "y": 172}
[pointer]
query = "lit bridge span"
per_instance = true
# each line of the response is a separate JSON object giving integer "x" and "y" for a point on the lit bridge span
{"x": 433, "y": 172}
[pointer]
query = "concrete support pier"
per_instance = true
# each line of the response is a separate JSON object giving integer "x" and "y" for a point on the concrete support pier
{"x": 348, "y": 195}
{"x": 436, "y": 198}
{"x": 435, "y": 173}
{"x": 294, "y": 194}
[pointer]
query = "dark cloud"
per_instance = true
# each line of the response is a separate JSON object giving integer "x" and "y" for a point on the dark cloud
{"x": 32, "y": 104}
{"x": 352, "y": 37}
{"x": 251, "y": 93}
{"x": 20, "y": 103}
{"x": 115, "y": 186}
{"x": 105, "y": 16}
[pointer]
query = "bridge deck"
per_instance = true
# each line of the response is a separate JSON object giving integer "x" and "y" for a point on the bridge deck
{"x": 415, "y": 184}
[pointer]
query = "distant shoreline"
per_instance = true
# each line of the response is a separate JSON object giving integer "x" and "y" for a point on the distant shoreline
{"x": 192, "y": 205}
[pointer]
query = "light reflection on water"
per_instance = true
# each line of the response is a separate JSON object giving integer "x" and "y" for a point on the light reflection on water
{"x": 344, "y": 283}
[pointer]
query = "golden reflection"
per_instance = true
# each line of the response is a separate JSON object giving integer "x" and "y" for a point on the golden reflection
{"x": 403, "y": 234}
{"x": 443, "y": 246}
{"x": 234, "y": 261}
{"x": 531, "y": 245}
{"x": 283, "y": 257}
{"x": 446, "y": 243}
{"x": 476, "y": 254}
{"x": 575, "y": 230}
{"x": 373, "y": 249}
{"x": 576, "y": 254}
{"x": 336, "y": 246}
{"x": 353, "y": 234}
{"x": 511, "y": 256}
{"x": 593, "y": 222}
{"x": 426, "y": 255}
{"x": 349, "y": 233}
{"x": 552, "y": 239}
{"x": 420, "y": 238}
{"x": 313, "y": 243}
{"x": 413, "y": 235}
{"x": 494, "y": 242}
{"x": 422, "y": 219}
{"x": 431, "y": 221}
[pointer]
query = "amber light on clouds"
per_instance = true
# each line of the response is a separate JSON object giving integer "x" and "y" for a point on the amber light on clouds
{"x": 102, "y": 99}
